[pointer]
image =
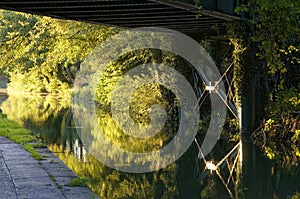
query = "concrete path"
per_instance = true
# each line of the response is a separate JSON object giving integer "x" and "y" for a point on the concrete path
{"x": 22, "y": 177}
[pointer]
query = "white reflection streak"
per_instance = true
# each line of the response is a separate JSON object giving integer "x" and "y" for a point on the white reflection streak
{"x": 209, "y": 165}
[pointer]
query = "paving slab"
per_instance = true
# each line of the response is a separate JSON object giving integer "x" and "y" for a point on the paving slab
{"x": 21, "y": 176}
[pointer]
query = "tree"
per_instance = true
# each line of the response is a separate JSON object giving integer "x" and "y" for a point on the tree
{"x": 272, "y": 31}
{"x": 276, "y": 29}
{"x": 42, "y": 54}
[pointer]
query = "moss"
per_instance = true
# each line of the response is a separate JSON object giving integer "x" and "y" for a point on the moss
{"x": 59, "y": 186}
{"x": 19, "y": 135}
{"x": 52, "y": 177}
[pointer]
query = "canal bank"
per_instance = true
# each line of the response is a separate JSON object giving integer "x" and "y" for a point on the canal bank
{"x": 24, "y": 177}
{"x": 37, "y": 174}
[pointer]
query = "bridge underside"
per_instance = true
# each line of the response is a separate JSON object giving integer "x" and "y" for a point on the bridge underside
{"x": 176, "y": 15}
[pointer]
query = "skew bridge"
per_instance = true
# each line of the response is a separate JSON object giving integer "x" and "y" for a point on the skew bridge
{"x": 180, "y": 15}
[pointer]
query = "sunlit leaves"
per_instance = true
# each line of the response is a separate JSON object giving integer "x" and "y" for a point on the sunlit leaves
{"x": 269, "y": 153}
{"x": 42, "y": 49}
{"x": 276, "y": 27}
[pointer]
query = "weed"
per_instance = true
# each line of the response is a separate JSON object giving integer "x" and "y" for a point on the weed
{"x": 78, "y": 182}
{"x": 58, "y": 186}
{"x": 52, "y": 177}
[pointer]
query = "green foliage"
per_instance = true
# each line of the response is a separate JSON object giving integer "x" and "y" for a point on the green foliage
{"x": 283, "y": 139}
{"x": 286, "y": 101}
{"x": 282, "y": 128}
{"x": 141, "y": 100}
{"x": 296, "y": 136}
{"x": 41, "y": 54}
{"x": 31, "y": 149}
{"x": 240, "y": 64}
{"x": 115, "y": 71}
{"x": 78, "y": 182}
{"x": 272, "y": 34}
{"x": 276, "y": 29}
{"x": 273, "y": 28}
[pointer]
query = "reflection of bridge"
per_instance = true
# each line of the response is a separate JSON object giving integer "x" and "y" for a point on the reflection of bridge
{"x": 180, "y": 15}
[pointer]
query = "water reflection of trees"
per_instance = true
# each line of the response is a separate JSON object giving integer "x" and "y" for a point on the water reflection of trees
{"x": 109, "y": 183}
{"x": 52, "y": 117}
{"x": 45, "y": 115}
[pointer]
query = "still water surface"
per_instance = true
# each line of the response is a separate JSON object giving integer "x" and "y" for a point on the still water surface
{"x": 231, "y": 170}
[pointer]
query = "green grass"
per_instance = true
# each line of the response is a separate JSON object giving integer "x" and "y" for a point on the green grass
{"x": 19, "y": 135}
{"x": 78, "y": 182}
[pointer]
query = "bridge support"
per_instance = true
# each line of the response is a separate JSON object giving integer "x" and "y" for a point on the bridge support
{"x": 248, "y": 80}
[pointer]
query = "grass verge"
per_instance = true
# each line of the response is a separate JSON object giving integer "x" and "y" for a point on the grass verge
{"x": 19, "y": 135}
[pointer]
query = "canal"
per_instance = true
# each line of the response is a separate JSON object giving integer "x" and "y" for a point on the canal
{"x": 234, "y": 169}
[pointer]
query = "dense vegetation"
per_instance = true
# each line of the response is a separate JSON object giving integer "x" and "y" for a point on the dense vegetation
{"x": 274, "y": 28}
{"x": 41, "y": 54}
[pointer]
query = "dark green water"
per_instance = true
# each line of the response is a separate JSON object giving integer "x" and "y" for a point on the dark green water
{"x": 245, "y": 173}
